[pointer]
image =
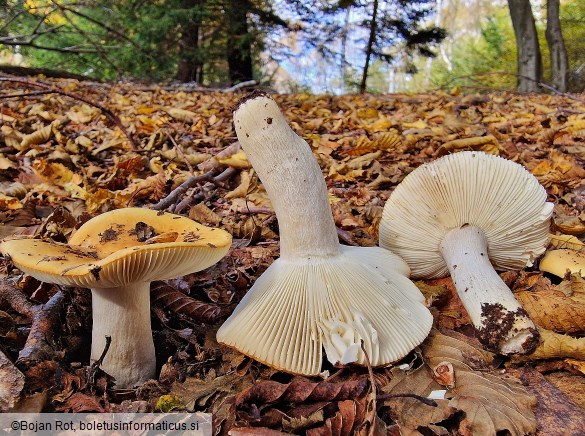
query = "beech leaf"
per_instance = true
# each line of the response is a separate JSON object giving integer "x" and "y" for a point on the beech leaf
{"x": 491, "y": 403}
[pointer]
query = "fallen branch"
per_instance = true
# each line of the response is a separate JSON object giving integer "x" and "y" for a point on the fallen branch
{"x": 191, "y": 182}
{"x": 37, "y": 347}
{"x": 10, "y": 294}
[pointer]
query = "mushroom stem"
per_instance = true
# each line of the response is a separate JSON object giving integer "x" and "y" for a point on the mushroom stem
{"x": 292, "y": 178}
{"x": 124, "y": 314}
{"x": 501, "y": 322}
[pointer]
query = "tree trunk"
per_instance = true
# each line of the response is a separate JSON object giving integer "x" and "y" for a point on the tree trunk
{"x": 370, "y": 46}
{"x": 190, "y": 58}
{"x": 239, "y": 46}
{"x": 556, "y": 44}
{"x": 529, "y": 60}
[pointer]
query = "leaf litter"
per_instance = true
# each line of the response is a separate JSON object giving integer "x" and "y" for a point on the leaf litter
{"x": 65, "y": 159}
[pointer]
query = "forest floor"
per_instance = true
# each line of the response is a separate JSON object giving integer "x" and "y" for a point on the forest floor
{"x": 70, "y": 150}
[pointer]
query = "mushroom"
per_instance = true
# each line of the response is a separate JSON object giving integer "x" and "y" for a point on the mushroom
{"x": 460, "y": 212}
{"x": 558, "y": 262}
{"x": 117, "y": 255}
{"x": 318, "y": 294}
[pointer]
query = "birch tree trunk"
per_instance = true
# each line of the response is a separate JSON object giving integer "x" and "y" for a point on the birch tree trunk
{"x": 556, "y": 44}
{"x": 529, "y": 68}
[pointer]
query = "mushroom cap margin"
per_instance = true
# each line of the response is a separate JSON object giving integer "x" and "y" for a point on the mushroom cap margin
{"x": 80, "y": 264}
{"x": 489, "y": 192}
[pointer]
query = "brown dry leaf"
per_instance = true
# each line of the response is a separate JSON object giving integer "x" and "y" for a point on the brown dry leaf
{"x": 79, "y": 402}
{"x": 491, "y": 403}
{"x": 196, "y": 392}
{"x": 411, "y": 413}
{"x": 553, "y": 310}
{"x": 572, "y": 225}
{"x": 555, "y": 411}
{"x": 202, "y": 214}
{"x": 574, "y": 287}
{"x": 11, "y": 383}
{"x": 176, "y": 301}
{"x": 483, "y": 143}
{"x": 255, "y": 431}
{"x": 298, "y": 391}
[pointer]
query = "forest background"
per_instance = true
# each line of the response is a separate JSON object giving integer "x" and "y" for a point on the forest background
{"x": 324, "y": 46}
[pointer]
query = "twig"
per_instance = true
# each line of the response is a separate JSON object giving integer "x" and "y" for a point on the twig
{"x": 371, "y": 397}
{"x": 420, "y": 398}
{"x": 255, "y": 209}
{"x": 191, "y": 182}
{"x": 181, "y": 153}
{"x": 182, "y": 188}
{"x": 25, "y": 94}
{"x": 240, "y": 85}
{"x": 37, "y": 347}
{"x": 10, "y": 294}
{"x": 53, "y": 89}
{"x": 96, "y": 365}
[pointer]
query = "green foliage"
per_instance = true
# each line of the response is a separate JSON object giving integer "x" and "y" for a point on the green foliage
{"x": 488, "y": 60}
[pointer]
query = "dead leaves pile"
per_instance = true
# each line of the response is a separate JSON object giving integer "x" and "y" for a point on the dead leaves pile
{"x": 63, "y": 160}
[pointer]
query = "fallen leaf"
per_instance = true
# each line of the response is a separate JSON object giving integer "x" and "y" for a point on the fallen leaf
{"x": 553, "y": 310}
{"x": 555, "y": 346}
{"x": 11, "y": 383}
{"x": 491, "y": 403}
{"x": 555, "y": 412}
{"x": 178, "y": 302}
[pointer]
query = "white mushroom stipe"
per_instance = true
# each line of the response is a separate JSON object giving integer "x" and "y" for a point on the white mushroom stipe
{"x": 502, "y": 321}
{"x": 319, "y": 295}
{"x": 466, "y": 214}
{"x": 120, "y": 314}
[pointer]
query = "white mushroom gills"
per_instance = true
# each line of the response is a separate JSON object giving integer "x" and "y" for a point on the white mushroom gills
{"x": 124, "y": 315}
{"x": 319, "y": 295}
{"x": 500, "y": 320}
{"x": 435, "y": 208}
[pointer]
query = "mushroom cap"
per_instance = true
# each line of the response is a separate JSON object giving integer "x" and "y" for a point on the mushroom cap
{"x": 121, "y": 247}
{"x": 468, "y": 188}
{"x": 557, "y": 262}
{"x": 298, "y": 308}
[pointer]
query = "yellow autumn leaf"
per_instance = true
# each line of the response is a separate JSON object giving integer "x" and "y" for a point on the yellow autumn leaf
{"x": 9, "y": 203}
{"x": 367, "y": 112}
{"x": 180, "y": 114}
{"x": 555, "y": 346}
{"x": 566, "y": 241}
{"x": 56, "y": 173}
{"x": 242, "y": 189}
{"x": 237, "y": 160}
{"x": 6, "y": 163}
{"x": 419, "y": 124}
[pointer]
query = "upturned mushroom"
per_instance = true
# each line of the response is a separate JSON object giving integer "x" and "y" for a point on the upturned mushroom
{"x": 466, "y": 214}
{"x": 319, "y": 295}
{"x": 117, "y": 255}
{"x": 559, "y": 262}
